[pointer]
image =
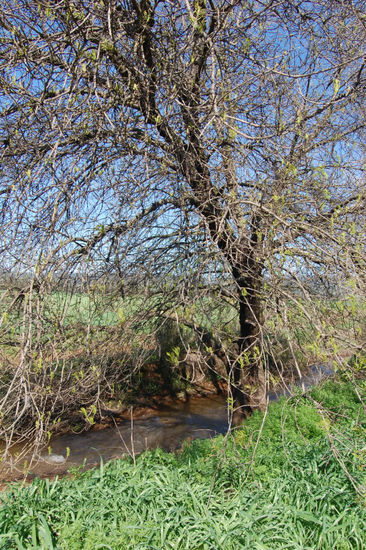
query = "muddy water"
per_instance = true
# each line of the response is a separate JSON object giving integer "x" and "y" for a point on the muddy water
{"x": 167, "y": 429}
{"x": 196, "y": 418}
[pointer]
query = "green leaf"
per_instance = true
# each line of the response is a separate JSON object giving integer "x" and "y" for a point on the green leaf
{"x": 308, "y": 516}
{"x": 336, "y": 86}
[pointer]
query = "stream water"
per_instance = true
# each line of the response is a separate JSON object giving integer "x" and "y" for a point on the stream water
{"x": 199, "y": 417}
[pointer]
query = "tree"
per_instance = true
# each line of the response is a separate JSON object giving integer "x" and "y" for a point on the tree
{"x": 219, "y": 137}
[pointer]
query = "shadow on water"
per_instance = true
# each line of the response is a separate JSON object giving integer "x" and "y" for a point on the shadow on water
{"x": 197, "y": 418}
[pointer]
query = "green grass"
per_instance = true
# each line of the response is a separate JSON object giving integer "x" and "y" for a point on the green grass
{"x": 292, "y": 494}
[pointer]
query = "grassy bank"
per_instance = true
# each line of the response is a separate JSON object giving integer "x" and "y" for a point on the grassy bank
{"x": 298, "y": 486}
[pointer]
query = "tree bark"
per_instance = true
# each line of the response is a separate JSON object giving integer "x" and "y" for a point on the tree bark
{"x": 247, "y": 373}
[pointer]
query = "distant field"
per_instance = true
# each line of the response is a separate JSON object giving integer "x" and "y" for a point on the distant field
{"x": 298, "y": 330}
{"x": 64, "y": 310}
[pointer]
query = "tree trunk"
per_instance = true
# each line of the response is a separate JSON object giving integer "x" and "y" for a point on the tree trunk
{"x": 247, "y": 373}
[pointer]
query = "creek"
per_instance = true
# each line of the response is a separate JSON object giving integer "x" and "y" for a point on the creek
{"x": 199, "y": 417}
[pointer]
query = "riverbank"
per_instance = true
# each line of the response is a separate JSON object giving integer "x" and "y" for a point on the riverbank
{"x": 165, "y": 423}
{"x": 147, "y": 403}
{"x": 299, "y": 485}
